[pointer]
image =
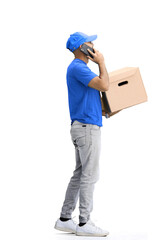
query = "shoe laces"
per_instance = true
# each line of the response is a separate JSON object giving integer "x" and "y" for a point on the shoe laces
{"x": 93, "y": 224}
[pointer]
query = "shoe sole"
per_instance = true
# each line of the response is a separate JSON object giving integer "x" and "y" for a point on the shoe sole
{"x": 91, "y": 234}
{"x": 64, "y": 229}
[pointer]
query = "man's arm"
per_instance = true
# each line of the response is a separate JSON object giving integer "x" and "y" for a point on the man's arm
{"x": 100, "y": 83}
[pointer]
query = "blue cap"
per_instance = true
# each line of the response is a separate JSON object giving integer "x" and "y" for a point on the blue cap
{"x": 78, "y": 38}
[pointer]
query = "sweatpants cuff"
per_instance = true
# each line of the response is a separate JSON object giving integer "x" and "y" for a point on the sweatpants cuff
{"x": 65, "y": 216}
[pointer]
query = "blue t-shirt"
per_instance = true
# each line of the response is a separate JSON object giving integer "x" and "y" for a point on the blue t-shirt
{"x": 84, "y": 102}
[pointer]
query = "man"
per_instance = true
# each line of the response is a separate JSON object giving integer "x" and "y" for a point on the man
{"x": 86, "y": 115}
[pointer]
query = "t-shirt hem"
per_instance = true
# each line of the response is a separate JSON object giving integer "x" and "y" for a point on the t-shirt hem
{"x": 87, "y": 122}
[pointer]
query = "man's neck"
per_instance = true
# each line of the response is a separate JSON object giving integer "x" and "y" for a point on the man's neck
{"x": 83, "y": 58}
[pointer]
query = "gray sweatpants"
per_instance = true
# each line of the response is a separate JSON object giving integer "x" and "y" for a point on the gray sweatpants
{"x": 87, "y": 141}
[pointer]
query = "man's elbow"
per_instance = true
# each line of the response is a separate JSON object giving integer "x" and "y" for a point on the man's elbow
{"x": 106, "y": 87}
{"x": 105, "y": 84}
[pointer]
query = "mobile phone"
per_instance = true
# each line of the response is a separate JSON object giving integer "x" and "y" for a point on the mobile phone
{"x": 84, "y": 50}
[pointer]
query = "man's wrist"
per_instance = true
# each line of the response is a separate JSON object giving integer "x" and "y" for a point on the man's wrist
{"x": 101, "y": 62}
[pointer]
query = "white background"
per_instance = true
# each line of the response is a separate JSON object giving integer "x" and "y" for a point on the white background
{"x": 36, "y": 152}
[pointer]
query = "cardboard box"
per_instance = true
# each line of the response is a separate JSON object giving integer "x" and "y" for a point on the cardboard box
{"x": 126, "y": 90}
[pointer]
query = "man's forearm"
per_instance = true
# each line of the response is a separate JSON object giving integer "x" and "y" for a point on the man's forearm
{"x": 103, "y": 79}
{"x": 103, "y": 74}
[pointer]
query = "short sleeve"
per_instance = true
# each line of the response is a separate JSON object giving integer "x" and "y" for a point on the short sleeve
{"x": 84, "y": 74}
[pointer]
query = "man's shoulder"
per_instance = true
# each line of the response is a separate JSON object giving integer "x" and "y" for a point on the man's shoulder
{"x": 78, "y": 63}
{"x": 76, "y": 66}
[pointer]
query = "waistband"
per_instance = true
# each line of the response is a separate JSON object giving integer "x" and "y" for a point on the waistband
{"x": 77, "y": 123}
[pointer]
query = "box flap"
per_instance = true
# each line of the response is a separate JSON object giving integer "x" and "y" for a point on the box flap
{"x": 122, "y": 73}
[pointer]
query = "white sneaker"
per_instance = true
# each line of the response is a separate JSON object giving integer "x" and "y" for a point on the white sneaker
{"x": 89, "y": 229}
{"x": 67, "y": 226}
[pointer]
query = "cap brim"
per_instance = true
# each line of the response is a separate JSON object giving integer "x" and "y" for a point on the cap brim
{"x": 91, "y": 38}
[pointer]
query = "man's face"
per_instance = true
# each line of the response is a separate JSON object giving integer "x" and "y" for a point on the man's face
{"x": 90, "y": 44}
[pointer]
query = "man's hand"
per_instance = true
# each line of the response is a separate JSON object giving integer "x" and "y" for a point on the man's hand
{"x": 103, "y": 113}
{"x": 97, "y": 56}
